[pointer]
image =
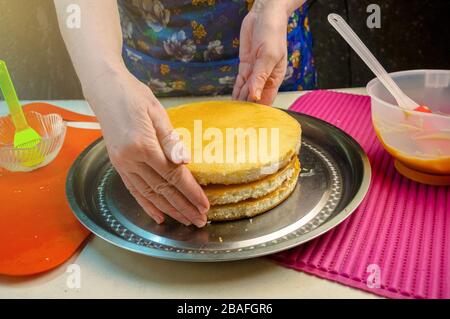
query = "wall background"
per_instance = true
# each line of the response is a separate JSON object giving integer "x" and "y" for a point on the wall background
{"x": 414, "y": 34}
{"x": 34, "y": 51}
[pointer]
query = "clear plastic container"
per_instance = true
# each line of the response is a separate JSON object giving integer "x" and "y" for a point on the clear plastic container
{"x": 51, "y": 127}
{"x": 419, "y": 142}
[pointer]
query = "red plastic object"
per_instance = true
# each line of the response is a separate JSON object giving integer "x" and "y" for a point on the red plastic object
{"x": 423, "y": 108}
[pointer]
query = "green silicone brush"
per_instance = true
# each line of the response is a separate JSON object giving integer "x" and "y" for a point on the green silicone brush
{"x": 25, "y": 137}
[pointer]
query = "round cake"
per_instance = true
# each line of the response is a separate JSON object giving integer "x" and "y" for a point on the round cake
{"x": 243, "y": 154}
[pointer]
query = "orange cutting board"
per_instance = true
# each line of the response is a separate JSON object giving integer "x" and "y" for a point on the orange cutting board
{"x": 38, "y": 231}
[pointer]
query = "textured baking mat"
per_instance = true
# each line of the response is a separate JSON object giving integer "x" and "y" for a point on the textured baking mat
{"x": 396, "y": 244}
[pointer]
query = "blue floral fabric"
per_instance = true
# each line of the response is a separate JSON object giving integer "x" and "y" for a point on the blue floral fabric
{"x": 191, "y": 47}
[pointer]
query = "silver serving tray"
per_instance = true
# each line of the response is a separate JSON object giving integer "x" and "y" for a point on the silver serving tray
{"x": 334, "y": 180}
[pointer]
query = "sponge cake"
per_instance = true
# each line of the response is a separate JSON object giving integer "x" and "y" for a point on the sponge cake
{"x": 224, "y": 115}
{"x": 238, "y": 183}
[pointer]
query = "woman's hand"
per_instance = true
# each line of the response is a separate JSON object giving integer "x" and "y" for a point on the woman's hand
{"x": 142, "y": 147}
{"x": 263, "y": 51}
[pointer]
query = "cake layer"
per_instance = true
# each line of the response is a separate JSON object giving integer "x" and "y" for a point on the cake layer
{"x": 233, "y": 142}
{"x": 219, "y": 194}
{"x": 255, "y": 206}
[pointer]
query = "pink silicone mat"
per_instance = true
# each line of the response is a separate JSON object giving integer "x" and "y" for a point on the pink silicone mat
{"x": 398, "y": 238}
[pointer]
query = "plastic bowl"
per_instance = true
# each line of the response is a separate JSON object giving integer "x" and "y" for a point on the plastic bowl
{"x": 51, "y": 127}
{"x": 419, "y": 142}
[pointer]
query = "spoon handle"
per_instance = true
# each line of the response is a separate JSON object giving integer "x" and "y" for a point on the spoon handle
{"x": 358, "y": 46}
{"x": 11, "y": 99}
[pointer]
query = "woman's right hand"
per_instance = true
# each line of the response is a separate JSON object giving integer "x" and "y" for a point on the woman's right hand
{"x": 140, "y": 141}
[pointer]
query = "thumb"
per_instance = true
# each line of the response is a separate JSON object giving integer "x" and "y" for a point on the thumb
{"x": 169, "y": 139}
{"x": 175, "y": 149}
{"x": 262, "y": 69}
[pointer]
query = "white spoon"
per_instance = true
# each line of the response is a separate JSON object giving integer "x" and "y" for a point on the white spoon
{"x": 358, "y": 46}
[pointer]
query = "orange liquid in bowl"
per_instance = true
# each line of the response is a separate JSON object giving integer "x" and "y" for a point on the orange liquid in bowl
{"x": 434, "y": 170}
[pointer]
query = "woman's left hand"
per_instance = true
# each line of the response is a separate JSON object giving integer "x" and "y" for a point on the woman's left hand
{"x": 262, "y": 52}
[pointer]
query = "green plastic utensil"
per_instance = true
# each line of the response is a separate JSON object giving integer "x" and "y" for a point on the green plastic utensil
{"x": 25, "y": 137}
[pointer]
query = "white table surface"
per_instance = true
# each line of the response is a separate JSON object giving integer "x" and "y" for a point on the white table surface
{"x": 111, "y": 272}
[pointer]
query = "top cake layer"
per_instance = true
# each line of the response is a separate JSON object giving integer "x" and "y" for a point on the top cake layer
{"x": 234, "y": 142}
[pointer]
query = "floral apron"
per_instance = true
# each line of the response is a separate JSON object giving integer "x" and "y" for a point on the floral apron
{"x": 191, "y": 47}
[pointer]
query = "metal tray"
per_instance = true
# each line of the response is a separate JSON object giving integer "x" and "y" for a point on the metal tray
{"x": 334, "y": 180}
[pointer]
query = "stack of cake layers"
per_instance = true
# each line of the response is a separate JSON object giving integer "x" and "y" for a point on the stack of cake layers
{"x": 244, "y": 155}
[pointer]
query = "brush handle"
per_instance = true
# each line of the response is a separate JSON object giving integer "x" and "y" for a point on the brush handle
{"x": 9, "y": 93}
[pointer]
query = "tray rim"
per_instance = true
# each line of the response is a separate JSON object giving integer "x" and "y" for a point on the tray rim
{"x": 116, "y": 240}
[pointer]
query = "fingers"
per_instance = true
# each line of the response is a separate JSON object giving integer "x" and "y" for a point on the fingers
{"x": 261, "y": 73}
{"x": 152, "y": 204}
{"x": 274, "y": 82}
{"x": 179, "y": 177}
{"x": 269, "y": 93}
{"x": 243, "y": 95}
{"x": 172, "y": 195}
{"x": 170, "y": 142}
{"x": 160, "y": 121}
{"x": 267, "y": 96}
{"x": 244, "y": 73}
{"x": 148, "y": 207}
{"x": 145, "y": 191}
{"x": 259, "y": 81}
{"x": 174, "y": 149}
{"x": 237, "y": 87}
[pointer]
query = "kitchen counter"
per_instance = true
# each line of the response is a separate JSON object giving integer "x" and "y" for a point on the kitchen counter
{"x": 111, "y": 272}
